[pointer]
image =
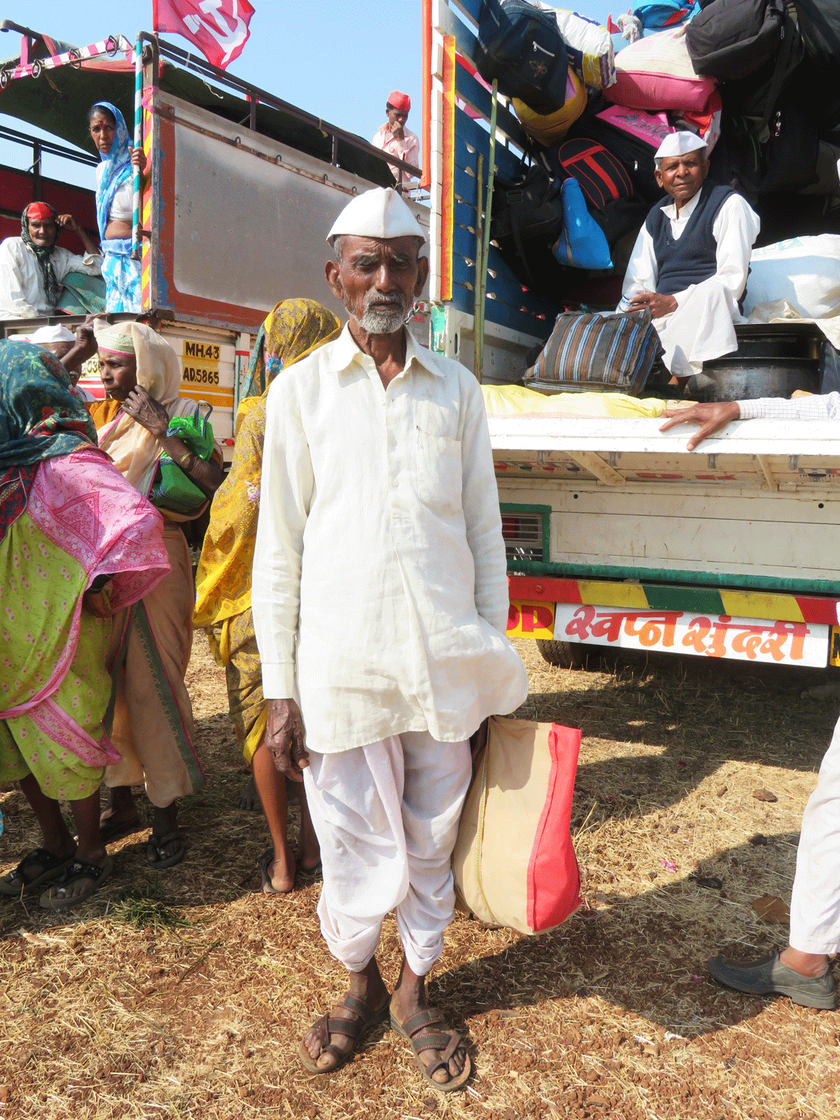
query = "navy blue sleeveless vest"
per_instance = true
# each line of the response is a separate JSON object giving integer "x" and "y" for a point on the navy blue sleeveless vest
{"x": 691, "y": 258}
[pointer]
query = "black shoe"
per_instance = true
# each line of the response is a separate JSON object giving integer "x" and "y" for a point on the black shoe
{"x": 770, "y": 977}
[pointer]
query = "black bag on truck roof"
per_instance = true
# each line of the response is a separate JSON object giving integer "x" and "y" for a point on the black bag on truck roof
{"x": 734, "y": 38}
{"x": 819, "y": 26}
{"x": 755, "y": 98}
{"x": 521, "y": 46}
{"x": 527, "y": 220}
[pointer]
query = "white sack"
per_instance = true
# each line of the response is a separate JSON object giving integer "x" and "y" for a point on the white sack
{"x": 805, "y": 271}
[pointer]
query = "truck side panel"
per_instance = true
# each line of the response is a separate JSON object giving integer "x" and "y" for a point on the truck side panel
{"x": 242, "y": 219}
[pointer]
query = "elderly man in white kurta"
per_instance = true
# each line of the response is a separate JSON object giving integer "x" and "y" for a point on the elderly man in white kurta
{"x": 690, "y": 262}
{"x": 380, "y": 591}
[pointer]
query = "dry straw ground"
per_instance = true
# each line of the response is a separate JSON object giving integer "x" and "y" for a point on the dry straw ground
{"x": 183, "y": 994}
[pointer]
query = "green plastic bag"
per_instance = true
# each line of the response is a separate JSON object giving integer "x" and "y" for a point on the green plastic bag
{"x": 171, "y": 487}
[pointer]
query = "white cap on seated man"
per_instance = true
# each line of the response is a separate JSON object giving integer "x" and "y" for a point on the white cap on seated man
{"x": 377, "y": 452}
{"x": 690, "y": 262}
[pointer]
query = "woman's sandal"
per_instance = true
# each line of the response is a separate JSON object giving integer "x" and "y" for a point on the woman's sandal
{"x": 365, "y": 1016}
{"x": 428, "y": 1030}
{"x": 265, "y": 861}
{"x": 16, "y": 883}
{"x": 56, "y": 898}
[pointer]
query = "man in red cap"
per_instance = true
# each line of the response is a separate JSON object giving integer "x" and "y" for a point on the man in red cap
{"x": 395, "y": 138}
{"x": 32, "y": 266}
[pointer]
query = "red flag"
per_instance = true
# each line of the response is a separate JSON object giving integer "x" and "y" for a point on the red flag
{"x": 219, "y": 28}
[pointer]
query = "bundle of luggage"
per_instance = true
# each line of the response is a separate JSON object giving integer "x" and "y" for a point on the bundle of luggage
{"x": 755, "y": 79}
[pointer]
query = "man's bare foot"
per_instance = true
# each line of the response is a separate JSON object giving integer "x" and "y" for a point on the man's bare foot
{"x": 367, "y": 986}
{"x": 407, "y": 1001}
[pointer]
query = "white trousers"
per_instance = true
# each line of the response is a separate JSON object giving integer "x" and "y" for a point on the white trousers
{"x": 815, "y": 901}
{"x": 702, "y": 328}
{"x": 386, "y": 817}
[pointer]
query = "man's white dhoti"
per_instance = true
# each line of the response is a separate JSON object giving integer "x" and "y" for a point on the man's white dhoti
{"x": 815, "y": 901}
{"x": 386, "y": 817}
{"x": 701, "y": 329}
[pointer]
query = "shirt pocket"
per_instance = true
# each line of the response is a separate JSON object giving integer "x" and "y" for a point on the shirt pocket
{"x": 438, "y": 471}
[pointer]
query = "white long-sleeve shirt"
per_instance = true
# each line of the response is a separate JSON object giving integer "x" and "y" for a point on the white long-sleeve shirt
{"x": 734, "y": 229}
{"x": 824, "y": 407}
{"x": 22, "y": 294}
{"x": 379, "y": 579}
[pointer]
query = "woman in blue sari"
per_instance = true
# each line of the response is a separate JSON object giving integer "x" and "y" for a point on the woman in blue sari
{"x": 114, "y": 205}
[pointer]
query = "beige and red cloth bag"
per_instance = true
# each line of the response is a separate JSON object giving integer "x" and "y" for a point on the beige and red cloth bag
{"x": 513, "y": 862}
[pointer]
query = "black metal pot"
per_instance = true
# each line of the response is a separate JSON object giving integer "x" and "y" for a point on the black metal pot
{"x": 772, "y": 360}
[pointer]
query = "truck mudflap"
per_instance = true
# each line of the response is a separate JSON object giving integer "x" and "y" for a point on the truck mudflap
{"x": 702, "y": 622}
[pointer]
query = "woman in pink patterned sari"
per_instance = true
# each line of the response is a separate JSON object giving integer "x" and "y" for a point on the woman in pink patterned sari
{"x": 77, "y": 543}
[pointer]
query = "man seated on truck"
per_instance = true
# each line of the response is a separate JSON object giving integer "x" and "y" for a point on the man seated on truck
{"x": 690, "y": 262}
{"x": 801, "y": 971}
{"x": 32, "y": 266}
{"x": 395, "y": 138}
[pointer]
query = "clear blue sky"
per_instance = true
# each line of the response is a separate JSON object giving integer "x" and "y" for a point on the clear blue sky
{"x": 337, "y": 59}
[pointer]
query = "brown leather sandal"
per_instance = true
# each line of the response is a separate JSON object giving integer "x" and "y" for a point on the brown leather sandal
{"x": 365, "y": 1016}
{"x": 428, "y": 1030}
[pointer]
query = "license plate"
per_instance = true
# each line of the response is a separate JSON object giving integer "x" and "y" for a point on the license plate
{"x": 718, "y": 636}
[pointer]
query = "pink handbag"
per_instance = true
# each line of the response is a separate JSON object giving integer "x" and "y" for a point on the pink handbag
{"x": 514, "y": 863}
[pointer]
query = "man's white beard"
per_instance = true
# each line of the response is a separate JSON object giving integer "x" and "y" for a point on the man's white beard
{"x": 382, "y": 320}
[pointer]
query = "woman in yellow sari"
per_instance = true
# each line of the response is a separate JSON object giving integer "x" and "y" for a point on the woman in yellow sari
{"x": 294, "y": 329}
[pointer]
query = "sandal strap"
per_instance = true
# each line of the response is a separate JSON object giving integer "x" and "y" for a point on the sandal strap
{"x": 428, "y": 1017}
{"x": 435, "y": 1040}
{"x": 363, "y": 1017}
{"x": 40, "y": 856}
{"x": 358, "y": 1007}
{"x": 421, "y": 1032}
{"x": 78, "y": 868}
{"x": 352, "y": 1028}
{"x": 455, "y": 1040}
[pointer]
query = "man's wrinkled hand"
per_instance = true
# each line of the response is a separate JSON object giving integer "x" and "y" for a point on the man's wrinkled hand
{"x": 285, "y": 738}
{"x": 711, "y": 417}
{"x": 657, "y": 304}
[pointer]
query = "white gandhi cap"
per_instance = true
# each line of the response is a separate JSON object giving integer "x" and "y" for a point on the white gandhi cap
{"x": 55, "y": 333}
{"x": 377, "y": 213}
{"x": 679, "y": 144}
